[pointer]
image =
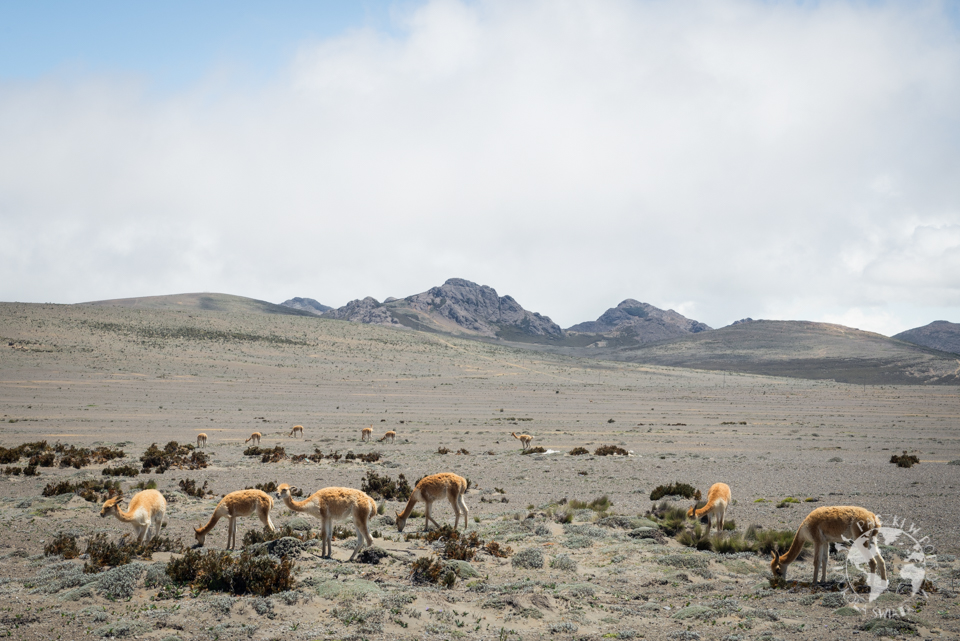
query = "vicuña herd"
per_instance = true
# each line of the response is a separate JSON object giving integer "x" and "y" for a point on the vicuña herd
{"x": 823, "y": 526}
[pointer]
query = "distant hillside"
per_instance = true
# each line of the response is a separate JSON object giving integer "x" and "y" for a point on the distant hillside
{"x": 202, "y": 301}
{"x": 941, "y": 335}
{"x": 798, "y": 349}
{"x": 642, "y": 322}
{"x": 457, "y": 307}
{"x": 307, "y": 305}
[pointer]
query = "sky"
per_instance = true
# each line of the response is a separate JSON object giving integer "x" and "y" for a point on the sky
{"x": 723, "y": 158}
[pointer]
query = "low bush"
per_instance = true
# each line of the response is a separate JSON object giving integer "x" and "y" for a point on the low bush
{"x": 370, "y": 457}
{"x": 94, "y": 491}
{"x": 531, "y": 559}
{"x": 64, "y": 545}
{"x": 104, "y": 553}
{"x": 611, "y": 450}
{"x": 500, "y": 551}
{"x": 125, "y": 470}
{"x": 427, "y": 570}
{"x": 904, "y": 460}
{"x": 534, "y": 450}
{"x": 675, "y": 489}
{"x": 442, "y": 450}
{"x": 383, "y": 487}
{"x": 669, "y": 517}
{"x": 30, "y": 470}
{"x": 463, "y": 450}
{"x": 46, "y": 459}
{"x": 190, "y": 488}
{"x": 252, "y": 537}
{"x": 184, "y": 457}
{"x": 220, "y": 571}
{"x": 579, "y": 451}
{"x": 275, "y": 455}
{"x": 13, "y": 471}
{"x": 563, "y": 562}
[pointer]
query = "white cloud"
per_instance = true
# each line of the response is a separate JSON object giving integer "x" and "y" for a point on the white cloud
{"x": 749, "y": 159}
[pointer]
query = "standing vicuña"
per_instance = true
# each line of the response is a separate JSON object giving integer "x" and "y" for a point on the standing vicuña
{"x": 297, "y": 429}
{"x": 389, "y": 436}
{"x": 201, "y": 440}
{"x": 366, "y": 433}
{"x": 255, "y": 437}
{"x": 524, "y": 439}
{"x": 235, "y": 505}
{"x": 826, "y": 525}
{"x": 431, "y": 488}
{"x": 718, "y": 499}
{"x": 146, "y": 508}
{"x": 335, "y": 504}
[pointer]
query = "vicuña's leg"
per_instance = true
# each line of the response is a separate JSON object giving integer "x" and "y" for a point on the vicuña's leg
{"x": 466, "y": 512}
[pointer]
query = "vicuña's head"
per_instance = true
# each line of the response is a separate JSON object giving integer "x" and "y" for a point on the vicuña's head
{"x": 110, "y": 506}
{"x": 778, "y": 569}
{"x": 198, "y": 532}
{"x": 285, "y": 491}
{"x": 691, "y": 511}
{"x": 401, "y": 522}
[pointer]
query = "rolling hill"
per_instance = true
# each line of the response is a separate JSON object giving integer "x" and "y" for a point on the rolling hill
{"x": 941, "y": 335}
{"x": 202, "y": 302}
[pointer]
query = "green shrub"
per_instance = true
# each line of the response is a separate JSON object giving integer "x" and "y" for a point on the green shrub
{"x": 184, "y": 457}
{"x": 64, "y": 545}
{"x": 125, "y": 470}
{"x": 611, "y": 450}
{"x": 103, "y": 553}
{"x": 904, "y": 460}
{"x": 766, "y": 541}
{"x": 189, "y": 487}
{"x": 427, "y": 570}
{"x": 383, "y": 487}
{"x": 671, "y": 518}
{"x": 674, "y": 489}
{"x": 220, "y": 571}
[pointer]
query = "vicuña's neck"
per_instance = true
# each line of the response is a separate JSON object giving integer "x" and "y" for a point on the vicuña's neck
{"x": 795, "y": 548}
{"x": 124, "y": 517}
{"x": 408, "y": 510}
{"x": 296, "y": 506}
{"x": 213, "y": 521}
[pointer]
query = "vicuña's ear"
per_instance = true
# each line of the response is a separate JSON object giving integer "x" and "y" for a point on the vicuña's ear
{"x": 774, "y": 555}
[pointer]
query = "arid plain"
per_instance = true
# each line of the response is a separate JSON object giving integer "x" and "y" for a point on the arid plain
{"x": 86, "y": 376}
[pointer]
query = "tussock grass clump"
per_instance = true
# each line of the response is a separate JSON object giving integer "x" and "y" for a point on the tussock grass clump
{"x": 190, "y": 488}
{"x": 610, "y": 450}
{"x": 146, "y": 485}
{"x": 123, "y": 470}
{"x": 578, "y": 451}
{"x": 904, "y": 460}
{"x": 64, "y": 545}
{"x": 669, "y": 517}
{"x": 220, "y": 571}
{"x": 695, "y": 538}
{"x": 675, "y": 489}
{"x": 173, "y": 455}
{"x": 787, "y": 502}
{"x": 383, "y": 487}
{"x": 767, "y": 541}
{"x": 103, "y": 553}
{"x": 731, "y": 544}
{"x": 534, "y": 450}
{"x": 93, "y": 491}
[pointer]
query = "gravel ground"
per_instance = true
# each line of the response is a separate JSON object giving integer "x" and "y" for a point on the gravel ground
{"x": 128, "y": 378}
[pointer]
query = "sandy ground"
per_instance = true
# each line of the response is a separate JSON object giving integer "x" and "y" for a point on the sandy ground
{"x": 86, "y": 376}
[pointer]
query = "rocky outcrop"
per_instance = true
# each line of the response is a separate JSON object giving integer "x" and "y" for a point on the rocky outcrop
{"x": 941, "y": 335}
{"x": 367, "y": 311}
{"x": 307, "y": 305}
{"x": 641, "y": 321}
{"x": 479, "y": 309}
